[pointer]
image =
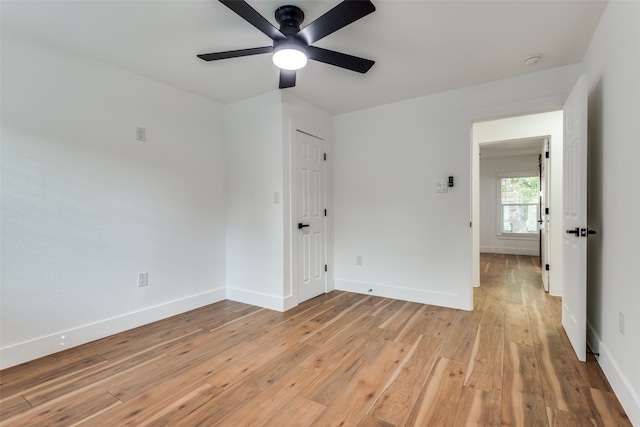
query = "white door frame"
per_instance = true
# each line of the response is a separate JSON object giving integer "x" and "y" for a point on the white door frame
{"x": 527, "y": 126}
{"x": 545, "y": 180}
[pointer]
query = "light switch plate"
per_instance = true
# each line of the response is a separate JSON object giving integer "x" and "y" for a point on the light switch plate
{"x": 442, "y": 187}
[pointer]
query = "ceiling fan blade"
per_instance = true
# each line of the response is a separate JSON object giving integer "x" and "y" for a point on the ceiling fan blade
{"x": 235, "y": 53}
{"x": 339, "y": 59}
{"x": 340, "y": 16}
{"x": 250, "y": 15}
{"x": 287, "y": 78}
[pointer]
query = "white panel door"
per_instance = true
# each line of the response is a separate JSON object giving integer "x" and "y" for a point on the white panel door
{"x": 544, "y": 215}
{"x": 574, "y": 298}
{"x": 311, "y": 216}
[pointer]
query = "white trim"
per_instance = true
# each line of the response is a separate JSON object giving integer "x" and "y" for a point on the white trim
{"x": 396, "y": 292}
{"x": 518, "y": 174}
{"x": 260, "y": 300}
{"x": 516, "y": 236}
{"x": 620, "y": 384}
{"x": 50, "y": 344}
{"x": 509, "y": 251}
{"x": 593, "y": 340}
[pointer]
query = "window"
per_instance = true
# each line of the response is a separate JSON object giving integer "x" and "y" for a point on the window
{"x": 518, "y": 205}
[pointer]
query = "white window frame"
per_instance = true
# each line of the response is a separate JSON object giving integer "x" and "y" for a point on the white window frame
{"x": 499, "y": 177}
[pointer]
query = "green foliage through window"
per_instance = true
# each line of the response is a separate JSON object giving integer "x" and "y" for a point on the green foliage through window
{"x": 519, "y": 201}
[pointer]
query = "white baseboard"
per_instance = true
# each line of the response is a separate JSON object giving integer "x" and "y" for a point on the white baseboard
{"x": 289, "y": 302}
{"x": 623, "y": 389}
{"x": 509, "y": 251}
{"x": 43, "y": 346}
{"x": 405, "y": 294}
{"x": 267, "y": 301}
{"x": 593, "y": 340}
{"x": 260, "y": 300}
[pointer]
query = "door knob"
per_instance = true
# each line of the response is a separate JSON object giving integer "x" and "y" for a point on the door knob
{"x": 301, "y": 225}
{"x": 575, "y": 232}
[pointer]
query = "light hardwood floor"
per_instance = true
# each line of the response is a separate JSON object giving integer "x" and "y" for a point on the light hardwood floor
{"x": 341, "y": 359}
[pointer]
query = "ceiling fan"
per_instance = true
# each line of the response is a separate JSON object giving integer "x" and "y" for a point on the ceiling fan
{"x": 292, "y": 45}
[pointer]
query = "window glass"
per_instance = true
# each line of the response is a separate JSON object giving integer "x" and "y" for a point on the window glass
{"x": 519, "y": 205}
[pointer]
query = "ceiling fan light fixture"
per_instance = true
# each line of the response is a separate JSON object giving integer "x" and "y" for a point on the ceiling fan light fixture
{"x": 289, "y": 58}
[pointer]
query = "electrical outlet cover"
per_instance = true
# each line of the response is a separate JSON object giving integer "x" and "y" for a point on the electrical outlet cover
{"x": 141, "y": 134}
{"x": 143, "y": 279}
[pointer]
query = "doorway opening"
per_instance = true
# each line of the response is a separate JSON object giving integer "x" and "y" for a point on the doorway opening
{"x": 518, "y": 147}
{"x": 513, "y": 218}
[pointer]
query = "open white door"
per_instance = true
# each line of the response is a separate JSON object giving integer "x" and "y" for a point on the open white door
{"x": 544, "y": 213}
{"x": 574, "y": 297}
{"x": 311, "y": 216}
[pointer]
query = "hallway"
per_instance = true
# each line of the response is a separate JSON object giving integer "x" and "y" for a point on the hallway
{"x": 542, "y": 380}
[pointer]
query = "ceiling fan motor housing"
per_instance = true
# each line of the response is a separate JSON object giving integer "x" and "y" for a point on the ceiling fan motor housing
{"x": 289, "y": 17}
{"x": 291, "y": 42}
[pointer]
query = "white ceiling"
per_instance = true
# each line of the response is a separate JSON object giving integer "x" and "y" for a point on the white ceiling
{"x": 420, "y": 46}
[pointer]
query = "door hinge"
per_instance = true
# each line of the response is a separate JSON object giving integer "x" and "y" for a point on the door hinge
{"x": 325, "y": 212}
{"x": 470, "y": 224}
{"x": 546, "y": 154}
{"x": 546, "y": 211}
{"x": 325, "y": 157}
{"x": 546, "y": 267}
{"x": 325, "y": 267}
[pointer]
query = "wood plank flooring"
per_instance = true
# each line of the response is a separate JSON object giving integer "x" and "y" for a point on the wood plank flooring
{"x": 341, "y": 359}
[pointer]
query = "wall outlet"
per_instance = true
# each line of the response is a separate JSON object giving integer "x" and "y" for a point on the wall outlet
{"x": 621, "y": 323}
{"x": 143, "y": 279}
{"x": 141, "y": 134}
{"x": 358, "y": 259}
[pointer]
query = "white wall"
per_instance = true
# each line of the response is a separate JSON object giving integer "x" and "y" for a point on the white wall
{"x": 86, "y": 207}
{"x": 533, "y": 125}
{"x": 490, "y": 240}
{"x": 254, "y": 233}
{"x": 613, "y": 65}
{"x": 416, "y": 243}
{"x": 261, "y": 262}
